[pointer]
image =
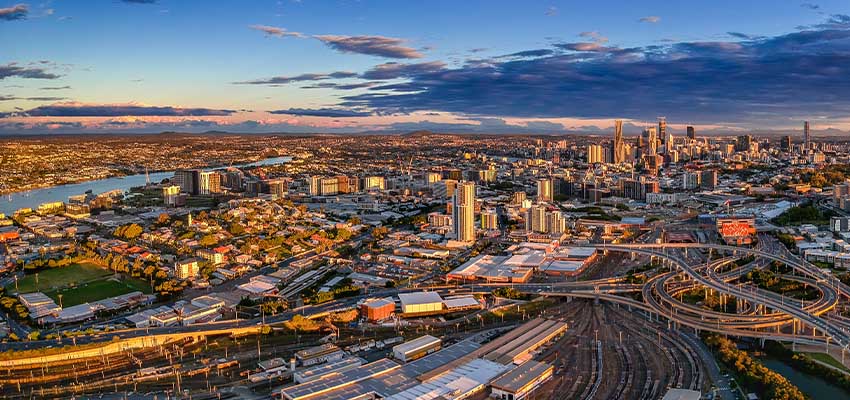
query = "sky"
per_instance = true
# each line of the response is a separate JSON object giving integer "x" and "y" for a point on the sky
{"x": 315, "y": 66}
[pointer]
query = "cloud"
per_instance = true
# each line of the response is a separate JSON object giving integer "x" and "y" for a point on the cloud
{"x": 16, "y": 70}
{"x": 322, "y": 112}
{"x": 381, "y": 46}
{"x": 765, "y": 81}
{"x": 595, "y": 36}
{"x": 650, "y": 19}
{"x": 744, "y": 36}
{"x": 810, "y": 6}
{"x": 116, "y": 110}
{"x": 275, "y": 31}
{"x": 282, "y": 80}
{"x": 551, "y": 11}
{"x": 9, "y": 98}
{"x": 54, "y": 88}
{"x": 529, "y": 54}
{"x": 584, "y": 46}
{"x": 16, "y": 12}
{"x": 393, "y": 70}
{"x": 140, "y": 1}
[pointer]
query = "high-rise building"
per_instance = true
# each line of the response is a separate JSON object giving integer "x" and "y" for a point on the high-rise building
{"x": 744, "y": 143}
{"x": 692, "y": 134}
{"x": 188, "y": 180}
{"x": 209, "y": 183}
{"x": 785, "y": 143}
{"x": 807, "y": 139}
{"x": 170, "y": 194}
{"x": 691, "y": 180}
{"x": 376, "y": 182}
{"x": 518, "y": 197}
{"x": 489, "y": 220}
{"x": 619, "y": 146}
{"x": 651, "y": 141}
{"x": 708, "y": 179}
{"x": 315, "y": 183}
{"x": 535, "y": 219}
{"x": 662, "y": 131}
{"x": 544, "y": 189}
{"x": 463, "y": 212}
{"x": 595, "y": 154}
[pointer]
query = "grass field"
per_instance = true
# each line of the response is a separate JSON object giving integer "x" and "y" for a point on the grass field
{"x": 58, "y": 278}
{"x": 98, "y": 290}
{"x": 79, "y": 283}
{"x": 828, "y": 359}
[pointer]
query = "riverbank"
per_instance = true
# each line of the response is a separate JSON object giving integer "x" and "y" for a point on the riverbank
{"x": 11, "y": 202}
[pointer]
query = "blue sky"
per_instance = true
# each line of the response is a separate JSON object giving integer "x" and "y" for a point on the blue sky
{"x": 346, "y": 66}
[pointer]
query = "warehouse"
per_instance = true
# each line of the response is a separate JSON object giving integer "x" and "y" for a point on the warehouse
{"x": 491, "y": 268}
{"x": 462, "y": 303}
{"x": 519, "y": 382}
{"x": 319, "y": 371}
{"x": 319, "y": 354}
{"x": 377, "y": 309}
{"x": 421, "y": 303}
{"x": 416, "y": 348}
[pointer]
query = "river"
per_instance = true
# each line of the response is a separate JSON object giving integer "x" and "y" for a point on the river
{"x": 815, "y": 387}
{"x": 32, "y": 198}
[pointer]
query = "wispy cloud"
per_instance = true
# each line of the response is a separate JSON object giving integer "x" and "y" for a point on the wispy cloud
{"x": 810, "y": 6}
{"x": 10, "y": 98}
{"x": 551, "y": 11}
{"x": 650, "y": 19}
{"x": 381, "y": 46}
{"x": 17, "y": 70}
{"x": 140, "y": 1}
{"x": 282, "y": 80}
{"x": 276, "y": 31}
{"x": 594, "y": 36}
{"x": 116, "y": 110}
{"x": 54, "y": 88}
{"x": 322, "y": 112}
{"x": 16, "y": 12}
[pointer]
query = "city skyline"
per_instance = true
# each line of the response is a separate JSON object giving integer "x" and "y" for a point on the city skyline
{"x": 345, "y": 67}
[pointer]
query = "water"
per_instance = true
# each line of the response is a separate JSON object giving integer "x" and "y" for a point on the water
{"x": 32, "y": 198}
{"x": 813, "y": 386}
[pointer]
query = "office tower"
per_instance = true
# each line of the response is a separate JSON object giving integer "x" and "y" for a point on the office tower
{"x": 276, "y": 187}
{"x": 315, "y": 183}
{"x": 692, "y": 134}
{"x": 209, "y": 183}
{"x": 555, "y": 222}
{"x": 708, "y": 179}
{"x": 376, "y": 182}
{"x": 535, "y": 219}
{"x": 619, "y": 146}
{"x": 233, "y": 180}
{"x": 691, "y": 180}
{"x": 433, "y": 177}
{"x": 807, "y": 144}
{"x": 489, "y": 220}
{"x": 785, "y": 144}
{"x": 662, "y": 130}
{"x": 463, "y": 212}
{"x": 329, "y": 186}
{"x": 544, "y": 189}
{"x": 744, "y": 143}
{"x": 651, "y": 141}
{"x": 169, "y": 195}
{"x": 188, "y": 180}
{"x": 517, "y": 198}
{"x": 595, "y": 154}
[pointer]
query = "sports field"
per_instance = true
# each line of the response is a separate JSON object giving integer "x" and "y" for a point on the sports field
{"x": 79, "y": 283}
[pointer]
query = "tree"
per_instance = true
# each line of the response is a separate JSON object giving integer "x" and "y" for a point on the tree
{"x": 236, "y": 229}
{"x": 208, "y": 240}
{"x": 163, "y": 219}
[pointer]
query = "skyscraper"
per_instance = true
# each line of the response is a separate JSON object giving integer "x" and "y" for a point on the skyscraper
{"x": 785, "y": 143}
{"x": 463, "y": 212}
{"x": 807, "y": 144}
{"x": 544, "y": 189}
{"x": 651, "y": 141}
{"x": 595, "y": 154}
{"x": 662, "y": 131}
{"x": 692, "y": 134}
{"x": 619, "y": 146}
